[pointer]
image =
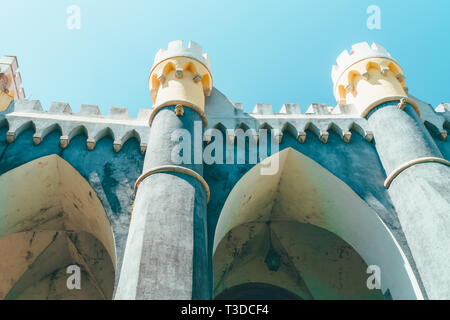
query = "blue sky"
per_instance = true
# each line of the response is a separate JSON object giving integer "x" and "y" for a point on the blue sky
{"x": 261, "y": 51}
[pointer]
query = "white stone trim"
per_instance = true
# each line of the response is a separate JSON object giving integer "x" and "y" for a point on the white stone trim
{"x": 173, "y": 168}
{"x": 186, "y": 104}
{"x": 411, "y": 163}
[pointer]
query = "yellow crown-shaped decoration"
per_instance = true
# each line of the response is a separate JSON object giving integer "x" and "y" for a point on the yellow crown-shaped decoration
{"x": 368, "y": 76}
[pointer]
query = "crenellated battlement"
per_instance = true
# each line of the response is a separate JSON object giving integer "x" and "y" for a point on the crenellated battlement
{"x": 314, "y": 109}
{"x": 367, "y": 77}
{"x": 177, "y": 49}
{"x": 319, "y": 120}
{"x": 368, "y": 174}
{"x": 181, "y": 75}
{"x": 298, "y": 128}
{"x": 117, "y": 124}
{"x": 175, "y": 64}
{"x": 360, "y": 51}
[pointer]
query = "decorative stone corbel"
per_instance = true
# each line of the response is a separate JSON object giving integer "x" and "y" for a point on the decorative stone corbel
{"x": 278, "y": 135}
{"x": 301, "y": 137}
{"x": 117, "y": 145}
{"x": 90, "y": 143}
{"x": 63, "y": 141}
{"x": 37, "y": 139}
{"x": 346, "y": 136}
{"x": 162, "y": 79}
{"x": 179, "y": 73}
{"x": 368, "y": 135}
{"x": 324, "y": 136}
{"x": 402, "y": 104}
{"x": 400, "y": 77}
{"x": 197, "y": 78}
{"x": 179, "y": 110}
{"x": 10, "y": 136}
{"x": 442, "y": 135}
{"x": 143, "y": 148}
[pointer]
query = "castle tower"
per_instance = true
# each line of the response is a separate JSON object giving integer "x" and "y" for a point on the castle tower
{"x": 367, "y": 77}
{"x": 10, "y": 81}
{"x": 417, "y": 174}
{"x": 166, "y": 252}
{"x": 181, "y": 76}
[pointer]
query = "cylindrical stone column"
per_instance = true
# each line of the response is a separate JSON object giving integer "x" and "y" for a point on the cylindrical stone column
{"x": 166, "y": 255}
{"x": 419, "y": 186}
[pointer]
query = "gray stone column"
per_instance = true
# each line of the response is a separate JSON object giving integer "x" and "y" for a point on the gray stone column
{"x": 166, "y": 254}
{"x": 419, "y": 186}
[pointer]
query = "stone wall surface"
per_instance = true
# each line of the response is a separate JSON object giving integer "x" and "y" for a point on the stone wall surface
{"x": 112, "y": 175}
{"x": 340, "y": 142}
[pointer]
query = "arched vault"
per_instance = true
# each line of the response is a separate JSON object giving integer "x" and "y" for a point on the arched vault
{"x": 305, "y": 231}
{"x": 51, "y": 219}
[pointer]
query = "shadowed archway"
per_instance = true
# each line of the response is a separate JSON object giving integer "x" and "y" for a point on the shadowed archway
{"x": 305, "y": 231}
{"x": 256, "y": 291}
{"x": 50, "y": 219}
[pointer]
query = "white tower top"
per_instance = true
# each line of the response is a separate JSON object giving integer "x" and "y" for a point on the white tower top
{"x": 176, "y": 49}
{"x": 360, "y": 51}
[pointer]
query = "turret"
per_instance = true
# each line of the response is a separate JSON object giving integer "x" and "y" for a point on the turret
{"x": 368, "y": 76}
{"x": 180, "y": 75}
{"x": 10, "y": 82}
{"x": 417, "y": 174}
{"x": 167, "y": 239}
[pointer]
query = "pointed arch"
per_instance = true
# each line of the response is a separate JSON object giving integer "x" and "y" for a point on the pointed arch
{"x": 23, "y": 127}
{"x": 322, "y": 135}
{"x": 219, "y": 126}
{"x": 393, "y": 68}
{"x": 208, "y": 134}
{"x": 190, "y": 67}
{"x": 265, "y": 126}
{"x": 4, "y": 123}
{"x": 51, "y": 219}
{"x": 373, "y": 65}
{"x": 130, "y": 135}
{"x": 336, "y": 129}
{"x": 243, "y": 126}
{"x": 367, "y": 135}
{"x": 446, "y": 125}
{"x": 105, "y": 132}
{"x": 352, "y": 76}
{"x": 206, "y": 82}
{"x": 49, "y": 129}
{"x": 432, "y": 129}
{"x": 309, "y": 214}
{"x": 290, "y": 129}
{"x": 78, "y": 130}
{"x": 168, "y": 68}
